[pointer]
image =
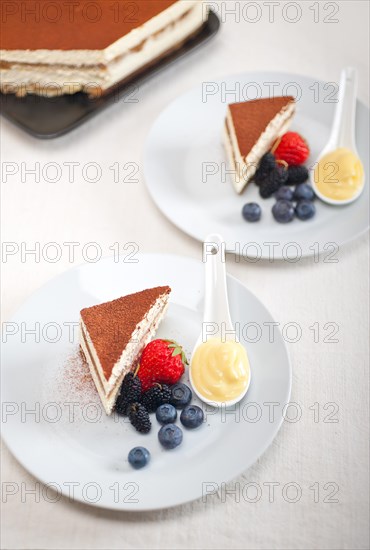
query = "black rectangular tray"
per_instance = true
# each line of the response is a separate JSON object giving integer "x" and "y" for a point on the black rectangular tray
{"x": 47, "y": 118}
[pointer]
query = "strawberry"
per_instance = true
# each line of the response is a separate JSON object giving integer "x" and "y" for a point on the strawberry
{"x": 292, "y": 148}
{"x": 162, "y": 361}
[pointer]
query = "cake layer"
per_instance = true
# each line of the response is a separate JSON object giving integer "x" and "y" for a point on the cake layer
{"x": 250, "y": 131}
{"x": 237, "y": 165}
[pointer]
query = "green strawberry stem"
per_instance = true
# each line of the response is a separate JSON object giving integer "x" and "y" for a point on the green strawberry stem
{"x": 177, "y": 350}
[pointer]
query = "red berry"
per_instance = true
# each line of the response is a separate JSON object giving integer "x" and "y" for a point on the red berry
{"x": 292, "y": 148}
{"x": 162, "y": 361}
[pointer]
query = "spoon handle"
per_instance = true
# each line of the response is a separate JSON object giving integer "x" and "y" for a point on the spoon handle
{"x": 343, "y": 133}
{"x": 216, "y": 307}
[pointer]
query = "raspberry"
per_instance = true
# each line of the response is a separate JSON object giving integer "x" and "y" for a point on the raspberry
{"x": 275, "y": 179}
{"x": 139, "y": 417}
{"x": 292, "y": 148}
{"x": 158, "y": 395}
{"x": 130, "y": 393}
{"x": 297, "y": 174}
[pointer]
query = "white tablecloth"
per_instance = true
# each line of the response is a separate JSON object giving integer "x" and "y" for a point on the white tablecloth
{"x": 309, "y": 453}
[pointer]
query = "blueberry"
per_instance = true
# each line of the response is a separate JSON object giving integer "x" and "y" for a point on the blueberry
{"x": 283, "y": 211}
{"x": 305, "y": 210}
{"x": 170, "y": 436}
{"x": 192, "y": 416}
{"x": 138, "y": 457}
{"x": 166, "y": 414}
{"x": 284, "y": 193}
{"x": 181, "y": 395}
{"x": 251, "y": 212}
{"x": 304, "y": 191}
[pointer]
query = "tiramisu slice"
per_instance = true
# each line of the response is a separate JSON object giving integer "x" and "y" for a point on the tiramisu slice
{"x": 53, "y": 48}
{"x": 251, "y": 129}
{"x": 113, "y": 335}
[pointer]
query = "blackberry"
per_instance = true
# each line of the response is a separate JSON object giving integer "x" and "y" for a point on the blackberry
{"x": 130, "y": 392}
{"x": 266, "y": 165}
{"x": 158, "y": 395}
{"x": 273, "y": 182}
{"x": 297, "y": 174}
{"x": 267, "y": 162}
{"x": 139, "y": 417}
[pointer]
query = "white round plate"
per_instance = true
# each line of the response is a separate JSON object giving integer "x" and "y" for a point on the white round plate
{"x": 69, "y": 442}
{"x": 185, "y": 168}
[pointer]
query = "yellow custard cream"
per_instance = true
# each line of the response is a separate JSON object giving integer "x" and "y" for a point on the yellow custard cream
{"x": 339, "y": 174}
{"x": 220, "y": 370}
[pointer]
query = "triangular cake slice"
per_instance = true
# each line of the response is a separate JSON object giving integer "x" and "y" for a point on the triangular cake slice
{"x": 113, "y": 335}
{"x": 251, "y": 129}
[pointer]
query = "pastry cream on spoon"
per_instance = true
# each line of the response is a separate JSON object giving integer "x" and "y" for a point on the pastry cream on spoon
{"x": 219, "y": 368}
{"x": 338, "y": 177}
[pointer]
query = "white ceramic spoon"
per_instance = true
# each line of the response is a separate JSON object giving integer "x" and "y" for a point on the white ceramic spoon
{"x": 343, "y": 130}
{"x": 216, "y": 317}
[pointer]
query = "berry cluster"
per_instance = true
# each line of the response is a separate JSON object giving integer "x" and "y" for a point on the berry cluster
{"x": 162, "y": 364}
{"x": 145, "y": 392}
{"x": 271, "y": 174}
{"x": 137, "y": 404}
{"x": 278, "y": 171}
{"x": 297, "y": 203}
{"x": 170, "y": 435}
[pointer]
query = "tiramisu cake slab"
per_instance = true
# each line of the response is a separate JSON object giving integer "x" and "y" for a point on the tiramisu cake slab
{"x": 89, "y": 46}
{"x": 113, "y": 335}
{"x": 251, "y": 129}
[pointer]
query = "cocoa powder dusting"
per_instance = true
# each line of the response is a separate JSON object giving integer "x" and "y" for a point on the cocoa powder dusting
{"x": 251, "y": 118}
